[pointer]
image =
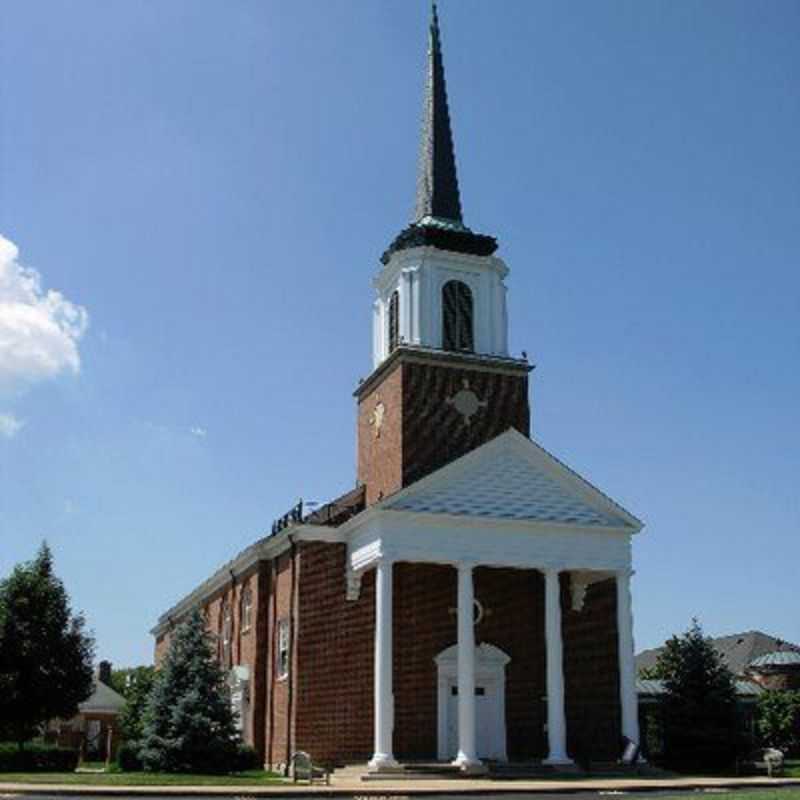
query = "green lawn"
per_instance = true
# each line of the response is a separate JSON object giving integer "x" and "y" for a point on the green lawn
{"x": 743, "y": 794}
{"x": 251, "y": 778}
{"x": 792, "y": 768}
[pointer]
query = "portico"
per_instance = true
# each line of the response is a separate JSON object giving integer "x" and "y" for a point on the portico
{"x": 417, "y": 526}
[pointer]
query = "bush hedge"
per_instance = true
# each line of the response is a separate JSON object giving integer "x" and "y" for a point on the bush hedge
{"x": 36, "y": 758}
{"x": 128, "y": 757}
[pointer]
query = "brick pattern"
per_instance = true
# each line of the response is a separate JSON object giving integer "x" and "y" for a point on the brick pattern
{"x": 380, "y": 465}
{"x": 591, "y": 673}
{"x": 435, "y": 433}
{"x": 335, "y": 654}
{"x": 421, "y": 431}
{"x": 514, "y": 603}
{"x": 279, "y": 723}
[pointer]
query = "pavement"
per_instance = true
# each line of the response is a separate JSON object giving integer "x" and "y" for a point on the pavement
{"x": 406, "y": 788}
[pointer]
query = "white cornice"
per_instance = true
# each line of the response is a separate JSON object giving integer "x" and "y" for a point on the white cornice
{"x": 419, "y": 256}
{"x": 263, "y": 550}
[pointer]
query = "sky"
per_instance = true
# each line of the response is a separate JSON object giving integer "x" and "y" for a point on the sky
{"x": 193, "y": 200}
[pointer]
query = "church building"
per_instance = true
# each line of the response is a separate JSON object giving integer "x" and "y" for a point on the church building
{"x": 469, "y": 600}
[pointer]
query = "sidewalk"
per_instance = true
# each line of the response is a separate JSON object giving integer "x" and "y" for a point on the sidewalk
{"x": 407, "y": 788}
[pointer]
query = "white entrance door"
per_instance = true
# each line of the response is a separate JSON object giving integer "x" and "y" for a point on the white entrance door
{"x": 490, "y": 706}
{"x": 490, "y": 723}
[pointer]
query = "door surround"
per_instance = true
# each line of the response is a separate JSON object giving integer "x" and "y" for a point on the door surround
{"x": 490, "y": 671}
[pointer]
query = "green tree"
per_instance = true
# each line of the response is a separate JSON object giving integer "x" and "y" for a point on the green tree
{"x": 699, "y": 704}
{"x": 135, "y": 685}
{"x": 189, "y": 724}
{"x": 45, "y": 652}
{"x": 778, "y": 719}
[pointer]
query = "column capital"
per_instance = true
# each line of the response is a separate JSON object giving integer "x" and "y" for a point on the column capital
{"x": 466, "y": 565}
{"x": 552, "y": 569}
{"x": 625, "y": 572}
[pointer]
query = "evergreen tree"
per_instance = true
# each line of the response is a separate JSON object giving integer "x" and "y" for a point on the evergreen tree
{"x": 699, "y": 704}
{"x": 45, "y": 652}
{"x": 189, "y": 725}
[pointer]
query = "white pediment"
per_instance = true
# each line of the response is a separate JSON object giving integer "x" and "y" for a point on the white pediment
{"x": 513, "y": 478}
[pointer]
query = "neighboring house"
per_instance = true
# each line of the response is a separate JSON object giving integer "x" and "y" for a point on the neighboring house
{"x": 750, "y": 656}
{"x": 470, "y": 598}
{"x": 94, "y": 728}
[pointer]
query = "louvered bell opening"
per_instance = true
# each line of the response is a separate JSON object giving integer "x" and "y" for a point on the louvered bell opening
{"x": 457, "y": 332}
{"x": 394, "y": 320}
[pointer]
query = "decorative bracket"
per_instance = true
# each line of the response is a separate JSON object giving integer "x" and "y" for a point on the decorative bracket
{"x": 579, "y": 582}
{"x": 353, "y": 585}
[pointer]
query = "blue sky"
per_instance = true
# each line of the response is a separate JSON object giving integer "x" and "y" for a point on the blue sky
{"x": 208, "y": 187}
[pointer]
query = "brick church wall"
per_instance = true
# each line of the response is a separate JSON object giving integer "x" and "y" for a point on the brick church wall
{"x": 335, "y": 658}
{"x": 423, "y": 627}
{"x": 591, "y": 673}
{"x": 514, "y": 622}
{"x": 380, "y": 458}
{"x": 434, "y": 433}
{"x": 280, "y": 690}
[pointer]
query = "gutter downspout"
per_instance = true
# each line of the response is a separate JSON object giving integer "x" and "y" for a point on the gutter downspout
{"x": 292, "y": 655}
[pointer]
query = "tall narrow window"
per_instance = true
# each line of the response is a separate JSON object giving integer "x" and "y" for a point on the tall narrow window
{"x": 394, "y": 320}
{"x": 246, "y": 613}
{"x": 226, "y": 633}
{"x": 282, "y": 656}
{"x": 457, "y": 331}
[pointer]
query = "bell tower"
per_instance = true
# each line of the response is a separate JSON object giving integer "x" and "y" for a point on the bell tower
{"x": 443, "y": 382}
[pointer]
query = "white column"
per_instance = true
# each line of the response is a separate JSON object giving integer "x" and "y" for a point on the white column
{"x": 627, "y": 668}
{"x": 416, "y": 335}
{"x": 556, "y": 718}
{"x": 384, "y": 699}
{"x": 467, "y": 757}
{"x": 377, "y": 337}
{"x": 405, "y": 306}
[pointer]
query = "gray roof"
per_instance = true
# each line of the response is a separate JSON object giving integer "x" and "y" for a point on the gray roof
{"x": 738, "y": 650}
{"x": 103, "y": 698}
{"x": 437, "y": 181}
{"x": 781, "y": 658}
{"x": 654, "y": 688}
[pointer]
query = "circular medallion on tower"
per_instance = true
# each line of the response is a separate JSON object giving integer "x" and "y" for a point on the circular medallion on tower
{"x": 466, "y": 402}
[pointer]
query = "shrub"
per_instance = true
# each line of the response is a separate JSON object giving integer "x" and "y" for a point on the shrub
{"x": 128, "y": 757}
{"x": 37, "y": 758}
{"x": 247, "y": 759}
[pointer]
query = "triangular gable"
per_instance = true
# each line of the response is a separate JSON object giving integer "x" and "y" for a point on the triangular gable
{"x": 511, "y": 477}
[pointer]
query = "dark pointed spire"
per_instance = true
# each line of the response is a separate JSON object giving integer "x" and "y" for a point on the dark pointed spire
{"x": 437, "y": 219}
{"x": 437, "y": 181}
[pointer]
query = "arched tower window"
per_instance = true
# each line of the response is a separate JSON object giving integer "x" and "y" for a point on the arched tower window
{"x": 457, "y": 333}
{"x": 394, "y": 320}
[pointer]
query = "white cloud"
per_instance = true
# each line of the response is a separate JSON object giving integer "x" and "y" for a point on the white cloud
{"x": 10, "y": 426}
{"x": 39, "y": 330}
{"x": 200, "y": 433}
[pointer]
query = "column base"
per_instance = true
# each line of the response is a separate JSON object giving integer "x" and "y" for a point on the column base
{"x": 470, "y": 766}
{"x": 383, "y": 762}
{"x": 558, "y": 761}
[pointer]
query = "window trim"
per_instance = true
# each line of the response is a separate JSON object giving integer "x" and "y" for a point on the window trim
{"x": 246, "y": 609}
{"x": 282, "y": 648}
{"x": 394, "y": 320}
